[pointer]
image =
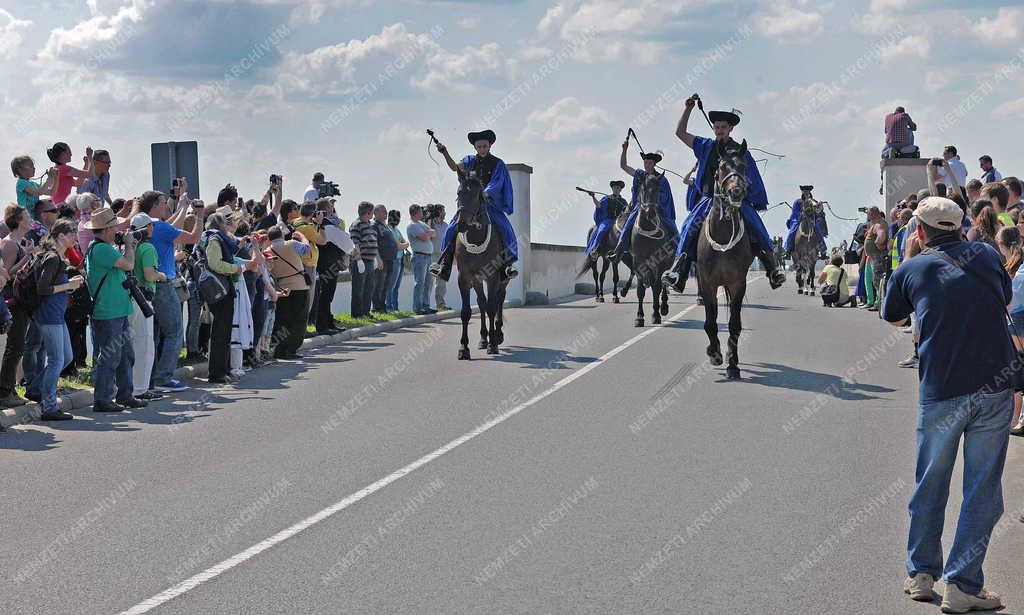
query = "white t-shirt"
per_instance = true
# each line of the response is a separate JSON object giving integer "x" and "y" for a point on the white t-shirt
{"x": 959, "y": 171}
{"x": 311, "y": 194}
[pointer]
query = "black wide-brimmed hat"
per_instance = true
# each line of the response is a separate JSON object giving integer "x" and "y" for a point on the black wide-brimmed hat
{"x": 617, "y": 182}
{"x": 806, "y": 188}
{"x": 655, "y": 156}
{"x": 724, "y": 116}
{"x": 486, "y": 135}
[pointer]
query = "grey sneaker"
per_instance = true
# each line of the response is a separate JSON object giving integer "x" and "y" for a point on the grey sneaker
{"x": 956, "y": 601}
{"x": 910, "y": 361}
{"x": 919, "y": 587}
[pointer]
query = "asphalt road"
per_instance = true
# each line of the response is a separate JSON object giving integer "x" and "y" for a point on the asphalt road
{"x": 584, "y": 470}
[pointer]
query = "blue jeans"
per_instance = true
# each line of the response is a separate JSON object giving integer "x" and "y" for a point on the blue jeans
{"x": 113, "y": 359}
{"x": 32, "y": 360}
{"x": 982, "y": 421}
{"x": 394, "y": 281}
{"x": 421, "y": 291}
{"x": 57, "y": 354}
{"x": 167, "y": 328}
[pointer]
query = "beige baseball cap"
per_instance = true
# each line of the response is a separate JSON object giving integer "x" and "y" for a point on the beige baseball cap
{"x": 940, "y": 212}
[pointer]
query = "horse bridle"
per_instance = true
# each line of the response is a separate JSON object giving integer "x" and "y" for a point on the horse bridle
{"x": 726, "y": 210}
{"x": 475, "y": 221}
{"x": 645, "y": 208}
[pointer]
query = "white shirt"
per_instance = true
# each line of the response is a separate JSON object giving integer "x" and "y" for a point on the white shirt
{"x": 311, "y": 194}
{"x": 339, "y": 238}
{"x": 959, "y": 171}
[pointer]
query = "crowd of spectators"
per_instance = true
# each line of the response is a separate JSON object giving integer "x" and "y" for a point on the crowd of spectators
{"x": 236, "y": 283}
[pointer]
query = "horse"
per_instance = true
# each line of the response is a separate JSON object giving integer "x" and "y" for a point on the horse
{"x": 480, "y": 258}
{"x": 805, "y": 246}
{"x": 653, "y": 248}
{"x": 724, "y": 254}
{"x": 779, "y": 249}
{"x": 605, "y": 252}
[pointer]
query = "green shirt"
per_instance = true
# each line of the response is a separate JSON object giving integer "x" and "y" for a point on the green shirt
{"x": 113, "y": 300}
{"x": 145, "y": 257}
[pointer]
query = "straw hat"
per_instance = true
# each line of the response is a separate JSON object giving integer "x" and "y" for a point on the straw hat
{"x": 103, "y": 219}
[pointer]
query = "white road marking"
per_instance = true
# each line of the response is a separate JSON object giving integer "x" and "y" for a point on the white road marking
{"x": 216, "y": 570}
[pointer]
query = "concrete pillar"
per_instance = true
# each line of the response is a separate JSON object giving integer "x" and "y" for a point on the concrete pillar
{"x": 520, "y": 174}
{"x": 902, "y": 176}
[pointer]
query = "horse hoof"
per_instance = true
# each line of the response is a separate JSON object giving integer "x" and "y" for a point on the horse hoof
{"x": 493, "y": 349}
{"x": 664, "y": 309}
{"x": 700, "y": 301}
{"x": 615, "y": 298}
{"x": 655, "y": 318}
{"x": 498, "y": 338}
{"x": 481, "y": 345}
{"x": 715, "y": 357}
{"x": 639, "y": 322}
{"x": 732, "y": 373}
{"x": 464, "y": 354}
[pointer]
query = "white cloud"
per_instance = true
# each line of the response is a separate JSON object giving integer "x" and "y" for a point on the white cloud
{"x": 396, "y": 61}
{"x": 785, "y": 20}
{"x": 401, "y": 133}
{"x": 93, "y": 35}
{"x": 467, "y": 23}
{"x": 11, "y": 33}
{"x": 937, "y": 80}
{"x": 565, "y": 118}
{"x": 1006, "y": 28}
{"x": 1009, "y": 110}
{"x": 910, "y": 47}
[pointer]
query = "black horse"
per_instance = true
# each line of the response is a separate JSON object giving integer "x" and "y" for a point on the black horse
{"x": 605, "y": 253}
{"x": 653, "y": 244}
{"x": 806, "y": 246}
{"x": 724, "y": 254}
{"x": 480, "y": 258}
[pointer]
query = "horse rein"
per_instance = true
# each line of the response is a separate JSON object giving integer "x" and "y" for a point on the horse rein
{"x": 739, "y": 228}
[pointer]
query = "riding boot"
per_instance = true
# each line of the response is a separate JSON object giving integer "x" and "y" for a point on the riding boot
{"x": 775, "y": 277}
{"x": 443, "y": 267}
{"x": 675, "y": 277}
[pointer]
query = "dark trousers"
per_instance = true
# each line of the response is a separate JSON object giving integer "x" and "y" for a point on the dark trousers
{"x": 380, "y": 286}
{"x": 325, "y": 289}
{"x": 362, "y": 289}
{"x": 77, "y": 330}
{"x": 220, "y": 337}
{"x": 290, "y": 323}
{"x": 13, "y": 351}
{"x": 113, "y": 358}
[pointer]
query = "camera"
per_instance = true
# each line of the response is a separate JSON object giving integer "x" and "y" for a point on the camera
{"x": 432, "y": 211}
{"x": 329, "y": 189}
{"x": 139, "y": 236}
{"x": 275, "y": 179}
{"x": 140, "y": 295}
{"x": 936, "y": 162}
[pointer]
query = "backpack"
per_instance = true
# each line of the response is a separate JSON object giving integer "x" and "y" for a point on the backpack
{"x": 80, "y": 303}
{"x": 25, "y": 286}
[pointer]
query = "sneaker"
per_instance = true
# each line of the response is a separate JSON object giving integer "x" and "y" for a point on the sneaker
{"x": 873, "y": 308}
{"x": 149, "y": 396}
{"x": 910, "y": 361}
{"x": 218, "y": 380}
{"x": 237, "y": 373}
{"x": 132, "y": 403}
{"x": 56, "y": 415}
{"x": 171, "y": 386}
{"x": 13, "y": 401}
{"x": 919, "y": 587}
{"x": 956, "y": 601}
{"x": 106, "y": 406}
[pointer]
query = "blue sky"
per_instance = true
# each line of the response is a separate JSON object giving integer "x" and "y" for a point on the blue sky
{"x": 348, "y": 87}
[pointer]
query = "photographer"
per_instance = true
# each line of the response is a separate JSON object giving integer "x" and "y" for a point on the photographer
{"x": 107, "y": 272}
{"x": 420, "y": 235}
{"x": 146, "y": 272}
{"x": 220, "y": 246}
{"x": 17, "y": 251}
{"x": 310, "y": 225}
{"x": 437, "y": 222}
{"x": 53, "y": 286}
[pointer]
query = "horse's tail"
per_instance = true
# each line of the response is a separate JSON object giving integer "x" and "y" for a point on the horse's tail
{"x": 584, "y": 266}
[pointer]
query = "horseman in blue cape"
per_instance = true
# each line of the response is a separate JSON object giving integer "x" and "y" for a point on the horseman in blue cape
{"x": 820, "y": 224}
{"x": 606, "y": 212}
{"x": 493, "y": 174}
{"x": 666, "y": 206}
{"x": 700, "y": 193}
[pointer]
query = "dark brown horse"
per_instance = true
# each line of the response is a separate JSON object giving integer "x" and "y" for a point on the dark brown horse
{"x": 653, "y": 244}
{"x": 724, "y": 254}
{"x": 480, "y": 258}
{"x": 806, "y": 246}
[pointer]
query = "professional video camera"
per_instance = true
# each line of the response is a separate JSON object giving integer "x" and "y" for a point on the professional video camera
{"x": 432, "y": 211}
{"x": 329, "y": 189}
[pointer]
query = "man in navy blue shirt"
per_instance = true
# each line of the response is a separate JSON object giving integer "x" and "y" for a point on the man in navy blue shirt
{"x": 959, "y": 291}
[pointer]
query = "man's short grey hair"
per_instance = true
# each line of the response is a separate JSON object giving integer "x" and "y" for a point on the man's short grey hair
{"x": 215, "y": 222}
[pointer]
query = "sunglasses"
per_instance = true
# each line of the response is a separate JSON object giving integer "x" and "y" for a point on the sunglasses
{"x": 47, "y": 211}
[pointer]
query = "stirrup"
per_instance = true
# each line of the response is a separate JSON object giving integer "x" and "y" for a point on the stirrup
{"x": 511, "y": 272}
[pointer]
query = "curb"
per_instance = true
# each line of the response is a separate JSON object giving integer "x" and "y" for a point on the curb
{"x": 29, "y": 413}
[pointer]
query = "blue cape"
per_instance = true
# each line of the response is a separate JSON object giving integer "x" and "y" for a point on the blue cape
{"x": 757, "y": 196}
{"x": 666, "y": 206}
{"x": 499, "y": 190}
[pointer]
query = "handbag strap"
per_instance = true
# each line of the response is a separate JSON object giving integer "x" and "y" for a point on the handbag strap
{"x": 289, "y": 263}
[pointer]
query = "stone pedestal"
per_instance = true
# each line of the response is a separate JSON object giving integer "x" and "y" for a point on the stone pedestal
{"x": 520, "y": 174}
{"x": 900, "y": 177}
